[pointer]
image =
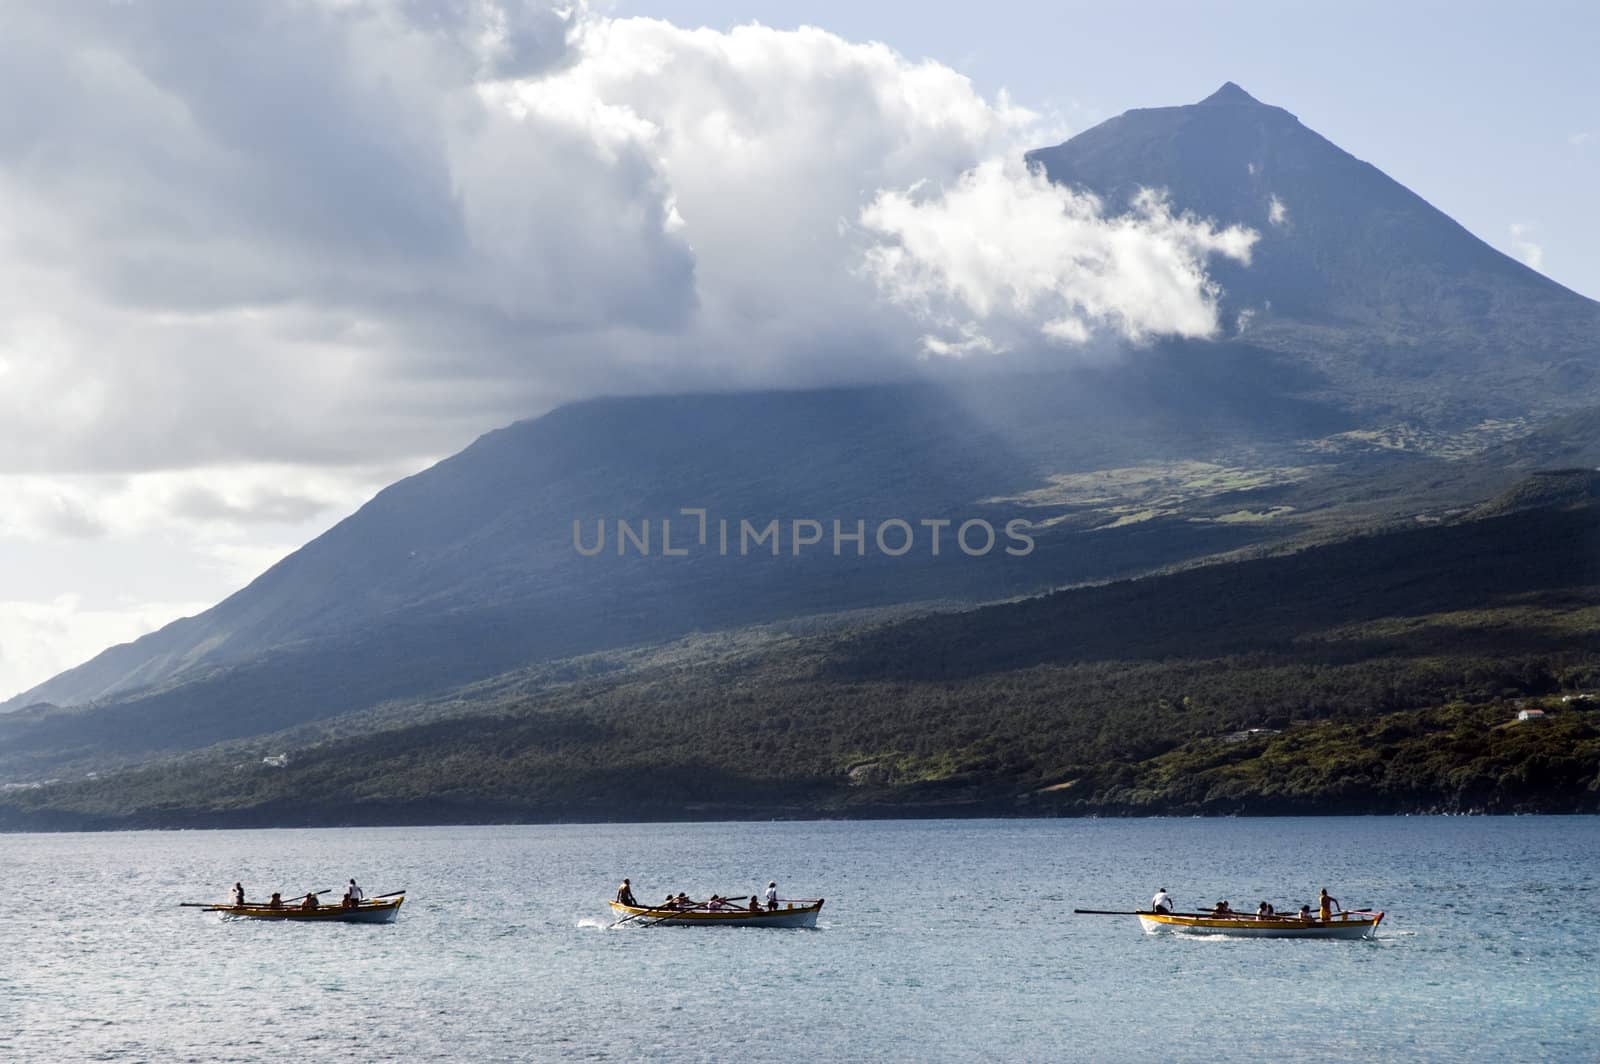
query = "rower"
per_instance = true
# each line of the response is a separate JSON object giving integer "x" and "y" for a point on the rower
{"x": 625, "y": 895}
{"x": 1162, "y": 902}
{"x": 1222, "y": 909}
{"x": 1305, "y": 913}
{"x": 1326, "y": 905}
{"x": 355, "y": 894}
{"x": 755, "y": 906}
{"x": 772, "y": 894}
{"x": 238, "y": 894}
{"x": 310, "y": 902}
{"x": 276, "y": 902}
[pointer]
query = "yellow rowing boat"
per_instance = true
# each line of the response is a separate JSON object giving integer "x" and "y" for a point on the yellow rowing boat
{"x": 1341, "y": 925}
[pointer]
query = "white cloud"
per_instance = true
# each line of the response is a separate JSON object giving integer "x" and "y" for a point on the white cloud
{"x": 41, "y": 639}
{"x": 100, "y": 533}
{"x": 216, "y": 502}
{"x": 1578, "y": 140}
{"x": 1531, "y": 253}
{"x": 1277, "y": 212}
{"x": 1003, "y": 244}
{"x": 345, "y": 230}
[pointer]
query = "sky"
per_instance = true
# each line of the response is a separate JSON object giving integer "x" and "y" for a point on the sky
{"x": 261, "y": 259}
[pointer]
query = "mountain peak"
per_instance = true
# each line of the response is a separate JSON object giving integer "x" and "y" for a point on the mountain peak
{"x": 1229, "y": 93}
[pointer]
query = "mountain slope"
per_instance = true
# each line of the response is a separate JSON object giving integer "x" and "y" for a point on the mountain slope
{"x": 1375, "y": 319}
{"x": 1352, "y": 268}
{"x": 1381, "y": 672}
{"x": 471, "y": 564}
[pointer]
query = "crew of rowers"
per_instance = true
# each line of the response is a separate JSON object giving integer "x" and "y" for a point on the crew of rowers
{"x": 353, "y": 897}
{"x": 681, "y": 902}
{"x": 1162, "y": 903}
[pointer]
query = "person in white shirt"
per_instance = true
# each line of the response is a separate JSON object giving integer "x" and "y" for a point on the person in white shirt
{"x": 354, "y": 894}
{"x": 772, "y": 895}
{"x": 1162, "y": 902}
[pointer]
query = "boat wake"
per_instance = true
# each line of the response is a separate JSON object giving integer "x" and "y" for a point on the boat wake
{"x": 589, "y": 923}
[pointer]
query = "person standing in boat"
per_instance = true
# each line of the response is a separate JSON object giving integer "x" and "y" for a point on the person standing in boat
{"x": 772, "y": 894}
{"x": 1162, "y": 902}
{"x": 625, "y": 895}
{"x": 1326, "y": 905}
{"x": 238, "y": 894}
{"x": 355, "y": 893}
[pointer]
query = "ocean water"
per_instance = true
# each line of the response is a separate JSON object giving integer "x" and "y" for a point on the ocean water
{"x": 940, "y": 940}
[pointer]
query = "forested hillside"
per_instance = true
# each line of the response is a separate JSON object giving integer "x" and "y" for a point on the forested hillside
{"x": 1377, "y": 674}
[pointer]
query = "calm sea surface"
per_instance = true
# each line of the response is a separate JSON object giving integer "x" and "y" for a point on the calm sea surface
{"x": 939, "y": 941}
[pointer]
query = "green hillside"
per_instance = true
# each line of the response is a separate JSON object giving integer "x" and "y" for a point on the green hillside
{"x": 1374, "y": 674}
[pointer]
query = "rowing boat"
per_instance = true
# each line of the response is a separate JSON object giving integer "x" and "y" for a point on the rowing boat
{"x": 794, "y": 914}
{"x": 1343, "y": 925}
{"x": 377, "y": 911}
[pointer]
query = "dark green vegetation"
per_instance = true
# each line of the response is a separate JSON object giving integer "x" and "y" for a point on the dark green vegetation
{"x": 1384, "y": 668}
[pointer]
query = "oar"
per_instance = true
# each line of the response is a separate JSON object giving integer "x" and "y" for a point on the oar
{"x": 1131, "y": 912}
{"x": 670, "y": 913}
{"x": 647, "y": 911}
{"x": 1146, "y": 912}
{"x": 286, "y": 901}
{"x": 669, "y": 916}
{"x": 391, "y": 894}
{"x": 697, "y": 907}
{"x": 230, "y": 905}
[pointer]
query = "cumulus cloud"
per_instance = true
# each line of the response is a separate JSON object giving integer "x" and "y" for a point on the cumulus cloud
{"x": 337, "y": 230}
{"x": 1277, "y": 212}
{"x": 1531, "y": 253}
{"x": 1002, "y": 244}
